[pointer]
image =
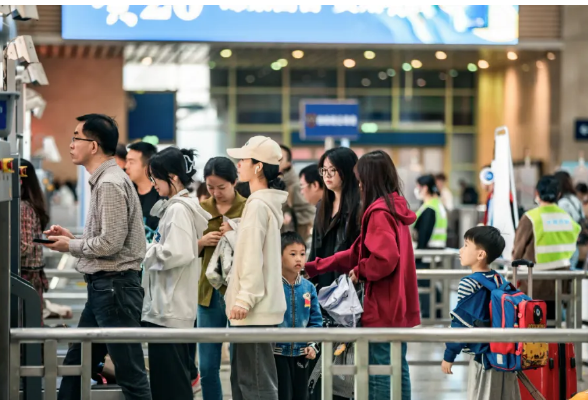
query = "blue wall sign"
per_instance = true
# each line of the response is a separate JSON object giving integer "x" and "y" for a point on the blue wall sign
{"x": 329, "y": 118}
{"x": 153, "y": 114}
{"x": 582, "y": 129}
{"x": 420, "y": 24}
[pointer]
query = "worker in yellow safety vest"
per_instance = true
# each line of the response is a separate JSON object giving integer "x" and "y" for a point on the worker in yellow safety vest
{"x": 429, "y": 231}
{"x": 546, "y": 235}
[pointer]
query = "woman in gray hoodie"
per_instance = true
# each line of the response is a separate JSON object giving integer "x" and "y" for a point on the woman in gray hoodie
{"x": 172, "y": 270}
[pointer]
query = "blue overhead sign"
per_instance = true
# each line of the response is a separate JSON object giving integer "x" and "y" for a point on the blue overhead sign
{"x": 329, "y": 118}
{"x": 370, "y": 24}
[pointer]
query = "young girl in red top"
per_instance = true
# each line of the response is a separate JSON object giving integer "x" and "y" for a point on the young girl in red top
{"x": 383, "y": 258}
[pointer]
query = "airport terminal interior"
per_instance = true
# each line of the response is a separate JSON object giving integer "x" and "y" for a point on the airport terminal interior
{"x": 479, "y": 107}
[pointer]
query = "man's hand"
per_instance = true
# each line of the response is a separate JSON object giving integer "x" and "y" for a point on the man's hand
{"x": 310, "y": 353}
{"x": 57, "y": 230}
{"x": 210, "y": 239}
{"x": 446, "y": 367}
{"x": 238, "y": 313}
{"x": 353, "y": 277}
{"x": 61, "y": 243}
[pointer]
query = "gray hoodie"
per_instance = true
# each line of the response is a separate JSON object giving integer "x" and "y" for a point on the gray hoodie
{"x": 255, "y": 282}
{"x": 171, "y": 266}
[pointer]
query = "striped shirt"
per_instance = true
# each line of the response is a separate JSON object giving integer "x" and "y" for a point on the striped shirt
{"x": 468, "y": 286}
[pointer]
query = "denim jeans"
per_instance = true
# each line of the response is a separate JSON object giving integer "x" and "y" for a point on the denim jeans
{"x": 209, "y": 354}
{"x": 115, "y": 300}
{"x": 379, "y": 384}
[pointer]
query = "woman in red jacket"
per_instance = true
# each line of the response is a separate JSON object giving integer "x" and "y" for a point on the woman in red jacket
{"x": 382, "y": 256}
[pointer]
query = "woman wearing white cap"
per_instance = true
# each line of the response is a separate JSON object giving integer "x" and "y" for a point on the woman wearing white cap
{"x": 255, "y": 296}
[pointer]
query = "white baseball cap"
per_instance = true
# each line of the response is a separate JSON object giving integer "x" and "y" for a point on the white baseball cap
{"x": 261, "y": 148}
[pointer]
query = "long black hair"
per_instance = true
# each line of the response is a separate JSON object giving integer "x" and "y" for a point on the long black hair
{"x": 174, "y": 161}
{"x": 30, "y": 191}
{"x": 344, "y": 160}
{"x": 378, "y": 176}
{"x": 428, "y": 181}
{"x": 271, "y": 174}
{"x": 222, "y": 167}
{"x": 566, "y": 184}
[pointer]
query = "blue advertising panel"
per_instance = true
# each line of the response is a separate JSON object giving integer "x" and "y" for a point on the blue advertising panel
{"x": 152, "y": 114}
{"x": 329, "y": 118}
{"x": 374, "y": 24}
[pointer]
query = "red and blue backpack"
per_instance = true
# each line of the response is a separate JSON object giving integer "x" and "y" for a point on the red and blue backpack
{"x": 511, "y": 308}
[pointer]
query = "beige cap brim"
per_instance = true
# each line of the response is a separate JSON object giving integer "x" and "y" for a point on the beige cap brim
{"x": 239, "y": 153}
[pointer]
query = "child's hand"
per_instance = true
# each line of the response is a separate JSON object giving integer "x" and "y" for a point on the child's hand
{"x": 446, "y": 367}
{"x": 310, "y": 353}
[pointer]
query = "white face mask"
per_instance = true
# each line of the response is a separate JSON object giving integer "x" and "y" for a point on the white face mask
{"x": 417, "y": 193}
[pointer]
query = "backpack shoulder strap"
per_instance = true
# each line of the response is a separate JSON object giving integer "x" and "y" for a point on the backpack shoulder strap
{"x": 497, "y": 283}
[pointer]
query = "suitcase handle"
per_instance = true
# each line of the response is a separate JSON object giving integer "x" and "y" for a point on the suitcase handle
{"x": 526, "y": 263}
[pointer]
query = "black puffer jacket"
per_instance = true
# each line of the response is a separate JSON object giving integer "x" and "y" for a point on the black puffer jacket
{"x": 332, "y": 241}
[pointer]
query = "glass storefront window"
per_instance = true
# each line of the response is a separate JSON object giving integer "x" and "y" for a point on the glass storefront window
{"x": 424, "y": 79}
{"x": 256, "y": 77}
{"x": 313, "y": 78}
{"x": 259, "y": 109}
{"x": 368, "y": 78}
{"x": 374, "y": 108}
{"x": 463, "y": 110}
{"x": 422, "y": 109}
{"x": 463, "y": 148}
{"x": 463, "y": 79}
{"x": 219, "y": 77}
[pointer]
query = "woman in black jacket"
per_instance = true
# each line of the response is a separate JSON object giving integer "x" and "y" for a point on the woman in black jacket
{"x": 337, "y": 223}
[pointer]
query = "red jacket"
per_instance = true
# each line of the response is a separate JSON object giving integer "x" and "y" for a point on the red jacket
{"x": 383, "y": 257}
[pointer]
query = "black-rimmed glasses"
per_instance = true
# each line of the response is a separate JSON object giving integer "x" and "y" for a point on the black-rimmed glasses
{"x": 74, "y": 139}
{"x": 327, "y": 171}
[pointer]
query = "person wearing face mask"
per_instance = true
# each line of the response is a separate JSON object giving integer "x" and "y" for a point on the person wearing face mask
{"x": 431, "y": 224}
{"x": 547, "y": 236}
{"x": 430, "y": 229}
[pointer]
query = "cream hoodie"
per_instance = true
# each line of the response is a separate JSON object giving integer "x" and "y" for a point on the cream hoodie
{"x": 256, "y": 278}
{"x": 171, "y": 266}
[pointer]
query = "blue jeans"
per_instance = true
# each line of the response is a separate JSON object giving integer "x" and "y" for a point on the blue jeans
{"x": 379, "y": 384}
{"x": 115, "y": 300}
{"x": 209, "y": 354}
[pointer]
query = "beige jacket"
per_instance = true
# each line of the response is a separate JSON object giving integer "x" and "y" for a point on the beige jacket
{"x": 255, "y": 281}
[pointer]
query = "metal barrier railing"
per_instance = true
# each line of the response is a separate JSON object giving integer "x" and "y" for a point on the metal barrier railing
{"x": 50, "y": 370}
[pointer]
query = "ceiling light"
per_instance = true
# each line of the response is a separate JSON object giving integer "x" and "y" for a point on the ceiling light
{"x": 211, "y": 64}
{"x": 369, "y": 127}
{"x": 147, "y": 61}
{"x": 226, "y": 53}
{"x": 550, "y": 56}
{"x": 416, "y": 63}
{"x": 276, "y": 66}
{"x": 349, "y": 63}
{"x": 421, "y": 82}
{"x": 366, "y": 82}
{"x": 370, "y": 55}
{"x": 391, "y": 72}
{"x": 382, "y": 75}
{"x": 283, "y": 62}
{"x": 406, "y": 66}
{"x": 511, "y": 55}
{"x": 540, "y": 64}
{"x": 441, "y": 55}
{"x": 472, "y": 67}
{"x": 453, "y": 73}
{"x": 483, "y": 64}
{"x": 525, "y": 67}
{"x": 297, "y": 54}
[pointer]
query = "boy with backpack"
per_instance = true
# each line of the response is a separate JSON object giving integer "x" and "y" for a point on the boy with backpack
{"x": 292, "y": 359}
{"x": 483, "y": 245}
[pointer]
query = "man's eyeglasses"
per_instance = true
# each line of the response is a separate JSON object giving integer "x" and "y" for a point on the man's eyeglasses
{"x": 327, "y": 171}
{"x": 74, "y": 139}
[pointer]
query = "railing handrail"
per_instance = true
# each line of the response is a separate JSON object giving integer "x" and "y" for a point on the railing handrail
{"x": 421, "y": 273}
{"x": 448, "y": 251}
{"x": 264, "y": 335}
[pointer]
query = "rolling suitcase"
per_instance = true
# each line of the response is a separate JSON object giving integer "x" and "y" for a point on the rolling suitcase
{"x": 557, "y": 380}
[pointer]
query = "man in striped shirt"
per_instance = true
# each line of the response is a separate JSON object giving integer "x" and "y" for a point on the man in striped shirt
{"x": 483, "y": 245}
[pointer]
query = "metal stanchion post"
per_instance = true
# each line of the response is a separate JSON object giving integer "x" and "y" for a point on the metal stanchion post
{"x": 396, "y": 354}
{"x": 4, "y": 299}
{"x": 558, "y": 303}
{"x": 362, "y": 376}
{"x": 327, "y": 376}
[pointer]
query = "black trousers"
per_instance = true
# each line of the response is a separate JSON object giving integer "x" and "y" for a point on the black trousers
{"x": 169, "y": 369}
{"x": 293, "y": 374}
